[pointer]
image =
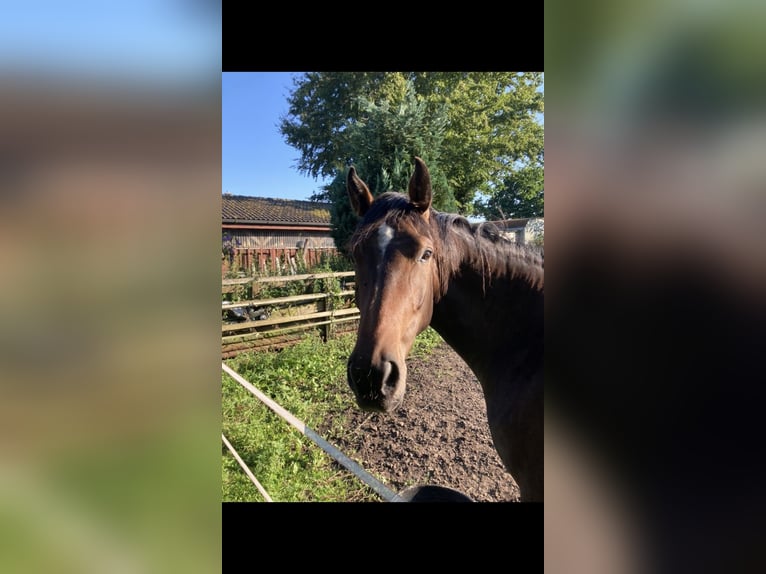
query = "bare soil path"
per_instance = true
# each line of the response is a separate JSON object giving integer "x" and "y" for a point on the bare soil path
{"x": 438, "y": 436}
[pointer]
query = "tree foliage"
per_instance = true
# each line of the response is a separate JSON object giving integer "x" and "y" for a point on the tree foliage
{"x": 522, "y": 195}
{"x": 474, "y": 130}
{"x": 492, "y": 127}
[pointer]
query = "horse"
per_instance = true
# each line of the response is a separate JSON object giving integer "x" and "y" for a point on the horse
{"x": 480, "y": 291}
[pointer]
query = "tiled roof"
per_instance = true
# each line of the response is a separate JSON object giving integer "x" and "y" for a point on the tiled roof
{"x": 245, "y": 209}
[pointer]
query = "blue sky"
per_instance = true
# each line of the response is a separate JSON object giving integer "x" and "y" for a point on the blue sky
{"x": 255, "y": 158}
{"x": 151, "y": 41}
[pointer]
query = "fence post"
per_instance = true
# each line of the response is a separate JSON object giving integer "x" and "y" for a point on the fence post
{"x": 323, "y": 305}
{"x": 329, "y": 284}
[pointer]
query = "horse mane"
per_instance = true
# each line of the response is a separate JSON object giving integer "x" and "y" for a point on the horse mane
{"x": 480, "y": 246}
{"x": 483, "y": 247}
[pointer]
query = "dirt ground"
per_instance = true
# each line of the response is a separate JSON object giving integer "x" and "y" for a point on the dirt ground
{"x": 438, "y": 436}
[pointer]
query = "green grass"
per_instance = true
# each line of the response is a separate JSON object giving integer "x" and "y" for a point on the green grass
{"x": 309, "y": 380}
{"x": 426, "y": 342}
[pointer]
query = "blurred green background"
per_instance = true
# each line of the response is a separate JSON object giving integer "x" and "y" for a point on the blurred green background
{"x": 109, "y": 254}
{"x": 110, "y": 144}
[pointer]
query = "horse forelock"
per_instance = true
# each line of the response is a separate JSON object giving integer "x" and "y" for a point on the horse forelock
{"x": 388, "y": 209}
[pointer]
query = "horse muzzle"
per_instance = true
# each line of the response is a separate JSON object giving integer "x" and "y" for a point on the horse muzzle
{"x": 377, "y": 385}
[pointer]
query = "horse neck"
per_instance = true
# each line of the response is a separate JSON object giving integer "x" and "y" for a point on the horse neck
{"x": 492, "y": 315}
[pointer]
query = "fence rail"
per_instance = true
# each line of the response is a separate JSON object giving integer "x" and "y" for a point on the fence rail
{"x": 381, "y": 489}
{"x": 247, "y": 470}
{"x": 262, "y": 323}
{"x": 228, "y": 285}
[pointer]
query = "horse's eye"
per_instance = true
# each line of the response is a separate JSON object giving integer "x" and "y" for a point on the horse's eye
{"x": 426, "y": 255}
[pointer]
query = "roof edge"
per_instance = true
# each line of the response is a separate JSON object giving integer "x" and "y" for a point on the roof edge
{"x": 276, "y": 222}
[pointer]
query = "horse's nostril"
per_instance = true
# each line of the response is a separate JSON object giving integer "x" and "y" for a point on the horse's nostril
{"x": 353, "y": 376}
{"x": 390, "y": 374}
{"x": 374, "y": 383}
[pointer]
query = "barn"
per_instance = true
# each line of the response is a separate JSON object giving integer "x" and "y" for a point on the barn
{"x": 269, "y": 234}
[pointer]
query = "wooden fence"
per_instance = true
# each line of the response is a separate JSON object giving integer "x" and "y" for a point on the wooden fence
{"x": 278, "y": 259}
{"x": 257, "y": 323}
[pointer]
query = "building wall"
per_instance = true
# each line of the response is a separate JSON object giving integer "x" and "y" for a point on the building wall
{"x": 262, "y": 239}
{"x": 532, "y": 232}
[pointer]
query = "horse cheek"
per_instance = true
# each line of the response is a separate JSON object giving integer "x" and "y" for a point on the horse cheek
{"x": 425, "y": 317}
{"x": 421, "y": 288}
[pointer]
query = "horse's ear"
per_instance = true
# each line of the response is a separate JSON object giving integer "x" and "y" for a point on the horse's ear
{"x": 358, "y": 192}
{"x": 420, "y": 188}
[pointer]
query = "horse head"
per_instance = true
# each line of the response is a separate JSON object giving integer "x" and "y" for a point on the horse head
{"x": 394, "y": 251}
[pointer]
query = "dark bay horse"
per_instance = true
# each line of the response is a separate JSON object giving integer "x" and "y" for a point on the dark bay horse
{"x": 482, "y": 293}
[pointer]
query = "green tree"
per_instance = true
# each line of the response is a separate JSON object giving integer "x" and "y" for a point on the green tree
{"x": 323, "y": 108}
{"x": 472, "y": 129}
{"x": 384, "y": 141}
{"x": 521, "y": 195}
{"x": 487, "y": 123}
{"x": 342, "y": 216}
{"x": 388, "y": 135}
{"x": 492, "y": 127}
